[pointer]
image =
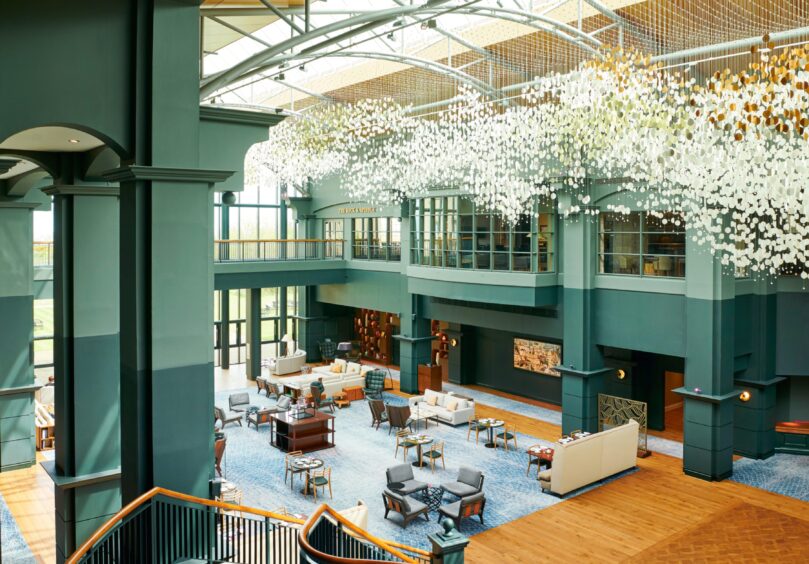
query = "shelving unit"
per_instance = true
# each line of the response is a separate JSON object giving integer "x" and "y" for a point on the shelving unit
{"x": 309, "y": 434}
{"x": 374, "y": 330}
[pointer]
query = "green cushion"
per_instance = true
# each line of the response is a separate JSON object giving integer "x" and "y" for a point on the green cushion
{"x": 432, "y": 454}
{"x": 318, "y": 481}
{"x": 506, "y": 435}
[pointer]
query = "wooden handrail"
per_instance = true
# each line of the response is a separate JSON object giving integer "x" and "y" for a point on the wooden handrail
{"x": 279, "y": 240}
{"x": 137, "y": 502}
{"x": 383, "y": 544}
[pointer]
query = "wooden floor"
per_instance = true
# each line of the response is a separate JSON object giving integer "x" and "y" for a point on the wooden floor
{"x": 656, "y": 514}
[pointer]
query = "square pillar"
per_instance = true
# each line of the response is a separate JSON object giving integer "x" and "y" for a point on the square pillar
{"x": 415, "y": 344}
{"x": 253, "y": 327}
{"x": 311, "y": 323}
{"x": 709, "y": 391}
{"x": 17, "y": 385}
{"x": 166, "y": 318}
{"x": 87, "y": 360}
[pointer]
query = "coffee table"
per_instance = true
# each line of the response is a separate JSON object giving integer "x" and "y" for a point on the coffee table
{"x": 425, "y": 417}
{"x": 433, "y": 496}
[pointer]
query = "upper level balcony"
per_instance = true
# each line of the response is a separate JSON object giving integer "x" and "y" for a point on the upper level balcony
{"x": 266, "y": 250}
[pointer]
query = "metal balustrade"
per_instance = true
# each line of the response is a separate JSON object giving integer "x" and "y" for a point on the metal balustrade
{"x": 258, "y": 250}
{"x": 43, "y": 253}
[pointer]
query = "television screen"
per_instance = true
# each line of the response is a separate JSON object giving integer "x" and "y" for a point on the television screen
{"x": 537, "y": 356}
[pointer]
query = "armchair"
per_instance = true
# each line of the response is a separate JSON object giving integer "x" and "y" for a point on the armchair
{"x": 328, "y": 350}
{"x": 219, "y": 453}
{"x": 403, "y": 474}
{"x": 317, "y": 397}
{"x": 399, "y": 417}
{"x": 465, "y": 507}
{"x": 227, "y": 416}
{"x": 374, "y": 384}
{"x": 408, "y": 508}
{"x": 469, "y": 482}
{"x": 239, "y": 402}
{"x": 378, "y": 413}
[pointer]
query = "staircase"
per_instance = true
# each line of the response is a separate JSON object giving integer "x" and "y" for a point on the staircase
{"x": 163, "y": 526}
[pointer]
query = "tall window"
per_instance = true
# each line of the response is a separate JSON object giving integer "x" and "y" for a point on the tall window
{"x": 450, "y": 232}
{"x": 255, "y": 215}
{"x": 333, "y": 231}
{"x": 642, "y": 244}
{"x": 377, "y": 238}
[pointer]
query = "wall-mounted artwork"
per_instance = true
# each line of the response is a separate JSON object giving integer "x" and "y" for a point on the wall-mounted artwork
{"x": 537, "y": 356}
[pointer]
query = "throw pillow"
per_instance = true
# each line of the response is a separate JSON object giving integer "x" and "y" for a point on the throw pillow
{"x": 340, "y": 361}
{"x": 337, "y": 368}
{"x": 353, "y": 367}
{"x": 452, "y": 404}
{"x": 431, "y": 400}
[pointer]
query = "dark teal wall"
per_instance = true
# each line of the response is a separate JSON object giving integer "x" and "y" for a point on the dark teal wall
{"x": 792, "y": 334}
{"x": 529, "y": 321}
{"x": 640, "y": 321}
{"x": 77, "y": 68}
{"x": 493, "y": 366}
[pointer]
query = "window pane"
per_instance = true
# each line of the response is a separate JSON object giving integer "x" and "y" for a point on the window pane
{"x": 618, "y": 222}
{"x": 522, "y": 262}
{"x": 544, "y": 262}
{"x": 620, "y": 264}
{"x": 664, "y": 243}
{"x": 664, "y": 265}
{"x": 620, "y": 243}
{"x": 500, "y": 261}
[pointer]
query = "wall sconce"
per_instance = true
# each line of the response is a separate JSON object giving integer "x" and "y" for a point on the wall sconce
{"x": 620, "y": 374}
{"x": 744, "y": 396}
{"x": 454, "y": 342}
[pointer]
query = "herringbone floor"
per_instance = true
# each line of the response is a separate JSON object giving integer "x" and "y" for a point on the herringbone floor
{"x": 742, "y": 533}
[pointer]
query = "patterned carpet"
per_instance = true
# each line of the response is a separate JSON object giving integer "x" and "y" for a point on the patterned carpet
{"x": 785, "y": 474}
{"x": 358, "y": 465}
{"x": 743, "y": 533}
{"x": 13, "y": 548}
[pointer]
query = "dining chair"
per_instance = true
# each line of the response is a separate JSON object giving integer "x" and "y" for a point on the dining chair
{"x": 509, "y": 433}
{"x": 436, "y": 451}
{"x": 476, "y": 427}
{"x": 320, "y": 479}
{"x": 289, "y": 469}
{"x": 402, "y": 443}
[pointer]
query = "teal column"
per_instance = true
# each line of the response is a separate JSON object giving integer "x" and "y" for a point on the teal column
{"x": 224, "y": 317}
{"x": 166, "y": 214}
{"x": 87, "y": 358}
{"x": 16, "y": 353}
{"x": 582, "y": 369}
{"x": 311, "y": 328}
{"x": 708, "y": 392}
{"x": 253, "y": 326}
{"x": 754, "y": 420}
{"x": 415, "y": 346}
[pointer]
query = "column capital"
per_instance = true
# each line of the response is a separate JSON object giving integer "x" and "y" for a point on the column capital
{"x": 568, "y": 371}
{"x": 139, "y": 172}
{"x": 80, "y": 190}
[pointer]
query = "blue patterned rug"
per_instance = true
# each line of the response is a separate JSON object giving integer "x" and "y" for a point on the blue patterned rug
{"x": 358, "y": 463}
{"x": 785, "y": 474}
{"x": 13, "y": 548}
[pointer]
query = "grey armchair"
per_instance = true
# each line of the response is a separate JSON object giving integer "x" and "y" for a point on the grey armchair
{"x": 469, "y": 482}
{"x": 239, "y": 402}
{"x": 408, "y": 508}
{"x": 465, "y": 507}
{"x": 227, "y": 416}
{"x": 403, "y": 474}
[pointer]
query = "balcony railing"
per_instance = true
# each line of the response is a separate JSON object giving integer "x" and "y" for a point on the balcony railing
{"x": 259, "y": 250}
{"x": 43, "y": 253}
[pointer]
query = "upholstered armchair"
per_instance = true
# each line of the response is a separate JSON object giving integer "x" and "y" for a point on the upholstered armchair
{"x": 374, "y": 383}
{"x": 407, "y": 507}
{"x": 317, "y": 396}
{"x": 399, "y": 417}
{"x": 403, "y": 474}
{"x": 239, "y": 402}
{"x": 469, "y": 482}
{"x": 328, "y": 350}
{"x": 379, "y": 413}
{"x": 465, "y": 507}
{"x": 227, "y": 416}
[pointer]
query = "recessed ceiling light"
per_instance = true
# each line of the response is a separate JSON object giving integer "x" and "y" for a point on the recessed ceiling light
{"x": 74, "y": 141}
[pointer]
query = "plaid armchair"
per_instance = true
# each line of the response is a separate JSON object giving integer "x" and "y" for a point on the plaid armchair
{"x": 374, "y": 383}
{"x": 328, "y": 350}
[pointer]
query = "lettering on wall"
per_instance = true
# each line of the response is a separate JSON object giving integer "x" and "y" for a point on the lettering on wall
{"x": 357, "y": 210}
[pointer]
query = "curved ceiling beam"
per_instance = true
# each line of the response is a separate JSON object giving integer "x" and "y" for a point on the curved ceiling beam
{"x": 399, "y": 58}
{"x": 364, "y": 22}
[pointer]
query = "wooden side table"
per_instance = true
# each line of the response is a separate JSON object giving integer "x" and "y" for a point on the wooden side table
{"x": 341, "y": 400}
{"x": 354, "y": 393}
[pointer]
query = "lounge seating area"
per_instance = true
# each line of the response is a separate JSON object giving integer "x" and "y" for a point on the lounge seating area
{"x": 445, "y": 407}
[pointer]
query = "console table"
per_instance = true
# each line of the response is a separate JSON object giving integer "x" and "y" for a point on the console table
{"x": 308, "y": 434}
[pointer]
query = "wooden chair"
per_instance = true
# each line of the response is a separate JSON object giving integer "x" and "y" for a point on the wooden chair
{"x": 219, "y": 452}
{"x": 473, "y": 426}
{"x": 408, "y": 507}
{"x": 509, "y": 433}
{"x": 436, "y": 451}
{"x": 289, "y": 469}
{"x": 378, "y": 413}
{"x": 403, "y": 444}
{"x": 320, "y": 479}
{"x": 399, "y": 417}
{"x": 464, "y": 508}
{"x": 318, "y": 400}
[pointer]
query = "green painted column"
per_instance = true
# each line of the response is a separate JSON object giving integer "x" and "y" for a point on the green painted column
{"x": 311, "y": 328}
{"x": 16, "y": 353}
{"x": 415, "y": 343}
{"x": 253, "y": 326}
{"x": 87, "y": 360}
{"x": 708, "y": 392}
{"x": 224, "y": 317}
{"x": 583, "y": 365}
{"x": 754, "y": 420}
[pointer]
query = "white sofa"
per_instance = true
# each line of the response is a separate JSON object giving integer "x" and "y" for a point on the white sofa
{"x": 591, "y": 458}
{"x": 346, "y": 368}
{"x": 464, "y": 410}
{"x": 333, "y": 382}
{"x": 288, "y": 364}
